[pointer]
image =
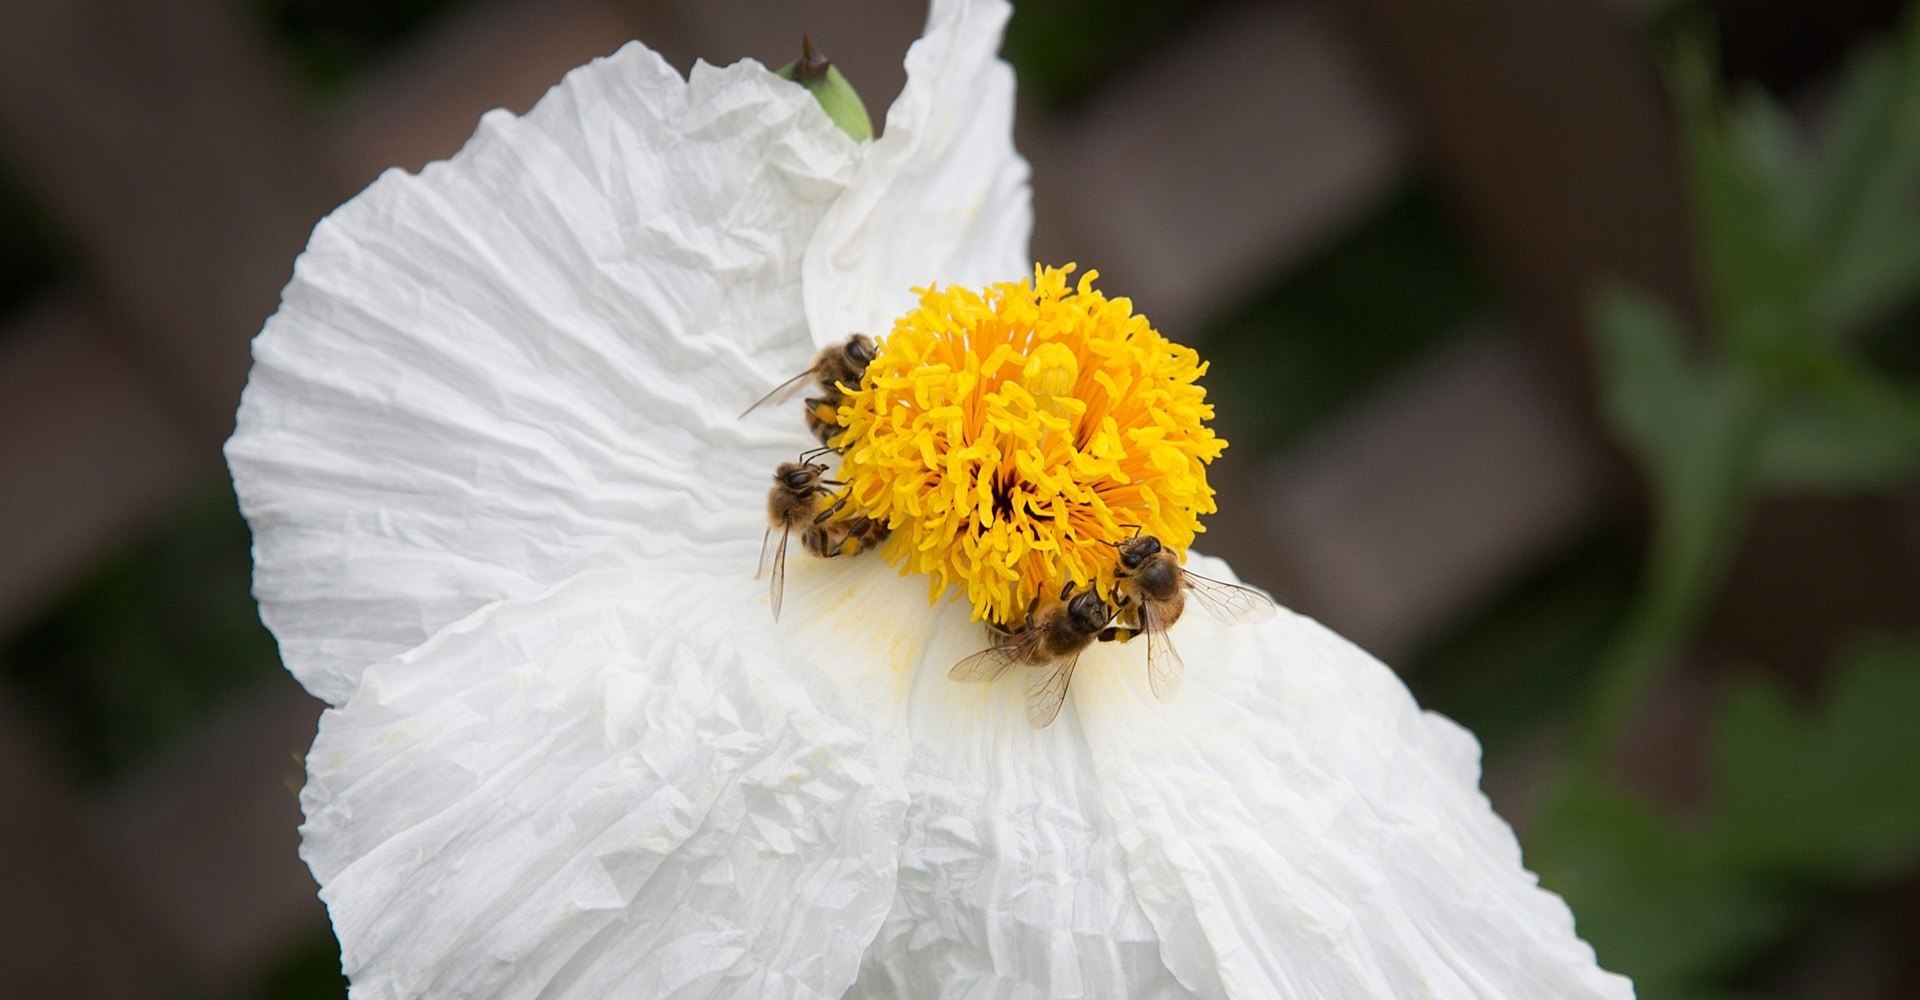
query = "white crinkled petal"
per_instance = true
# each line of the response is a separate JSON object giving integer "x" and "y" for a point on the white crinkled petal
{"x": 1013, "y": 882}
{"x": 625, "y": 787}
{"x": 1296, "y": 827}
{"x": 941, "y": 197}
{"x": 526, "y": 362}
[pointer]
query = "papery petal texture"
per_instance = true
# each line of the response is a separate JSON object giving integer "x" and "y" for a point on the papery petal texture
{"x": 527, "y": 362}
{"x": 1013, "y": 881}
{"x": 1290, "y": 826}
{"x": 942, "y": 189}
{"x": 1295, "y": 826}
{"x": 605, "y": 791}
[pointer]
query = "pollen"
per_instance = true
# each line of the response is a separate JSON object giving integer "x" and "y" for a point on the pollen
{"x": 1011, "y": 437}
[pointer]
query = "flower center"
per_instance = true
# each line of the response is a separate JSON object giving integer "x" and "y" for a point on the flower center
{"x": 1010, "y": 437}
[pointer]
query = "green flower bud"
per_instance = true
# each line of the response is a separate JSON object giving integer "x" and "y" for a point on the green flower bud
{"x": 836, "y": 96}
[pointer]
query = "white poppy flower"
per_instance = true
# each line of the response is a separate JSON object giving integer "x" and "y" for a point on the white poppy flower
{"x": 506, "y": 522}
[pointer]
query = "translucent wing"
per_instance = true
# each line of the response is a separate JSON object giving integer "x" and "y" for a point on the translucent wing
{"x": 761, "y": 566}
{"x": 1164, "y": 665}
{"x": 1227, "y": 602}
{"x": 785, "y": 390}
{"x": 1047, "y": 690}
{"x": 988, "y": 664}
{"x": 778, "y": 585}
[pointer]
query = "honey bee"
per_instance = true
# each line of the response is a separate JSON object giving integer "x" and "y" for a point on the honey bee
{"x": 1151, "y": 592}
{"x": 1048, "y": 643}
{"x": 802, "y": 497}
{"x": 841, "y": 364}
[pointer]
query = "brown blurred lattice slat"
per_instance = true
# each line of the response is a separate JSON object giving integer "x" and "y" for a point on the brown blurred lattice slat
{"x": 424, "y": 107}
{"x": 1425, "y": 499}
{"x": 1551, "y": 127}
{"x": 163, "y": 142}
{"x": 89, "y": 451}
{"x": 1249, "y": 140}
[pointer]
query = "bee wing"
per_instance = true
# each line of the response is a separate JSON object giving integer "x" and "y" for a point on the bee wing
{"x": 1047, "y": 690}
{"x": 784, "y": 391}
{"x": 778, "y": 585}
{"x": 1164, "y": 665}
{"x": 988, "y": 664}
{"x": 1227, "y": 602}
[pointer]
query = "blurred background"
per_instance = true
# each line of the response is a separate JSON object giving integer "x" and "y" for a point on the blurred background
{"x": 1567, "y": 347}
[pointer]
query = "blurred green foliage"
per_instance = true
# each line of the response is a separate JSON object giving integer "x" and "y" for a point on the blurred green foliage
{"x": 1832, "y": 792}
{"x": 326, "y": 43}
{"x": 1061, "y": 48}
{"x": 1803, "y": 797}
{"x": 1518, "y": 666}
{"x": 149, "y": 645}
{"x": 1648, "y": 893}
{"x": 1805, "y": 247}
{"x": 1800, "y": 247}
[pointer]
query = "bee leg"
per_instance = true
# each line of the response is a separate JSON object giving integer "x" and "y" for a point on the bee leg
{"x": 824, "y": 515}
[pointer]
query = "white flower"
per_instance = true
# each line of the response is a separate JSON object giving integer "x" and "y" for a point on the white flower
{"x": 506, "y": 523}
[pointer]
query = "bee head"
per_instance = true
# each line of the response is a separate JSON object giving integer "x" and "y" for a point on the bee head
{"x": 861, "y": 350}
{"x": 795, "y": 476}
{"x": 1089, "y": 611}
{"x": 1138, "y": 550}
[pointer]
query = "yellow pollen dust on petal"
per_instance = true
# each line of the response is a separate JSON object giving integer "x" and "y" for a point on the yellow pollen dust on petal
{"x": 1011, "y": 437}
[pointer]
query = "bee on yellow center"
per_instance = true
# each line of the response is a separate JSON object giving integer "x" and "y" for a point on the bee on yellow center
{"x": 1038, "y": 446}
{"x": 1012, "y": 438}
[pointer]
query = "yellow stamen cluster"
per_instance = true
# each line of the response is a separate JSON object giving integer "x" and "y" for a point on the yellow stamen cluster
{"x": 1010, "y": 437}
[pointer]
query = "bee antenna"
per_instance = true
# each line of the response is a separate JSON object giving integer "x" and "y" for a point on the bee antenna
{"x": 812, "y": 453}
